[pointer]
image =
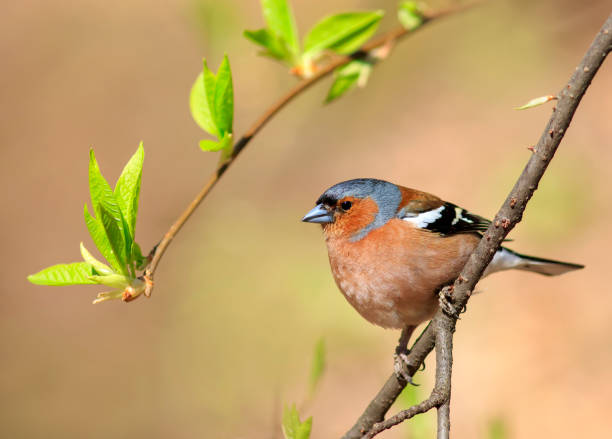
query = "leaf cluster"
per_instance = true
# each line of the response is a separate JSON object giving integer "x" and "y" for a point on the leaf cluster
{"x": 211, "y": 100}
{"x": 113, "y": 230}
{"x": 342, "y": 33}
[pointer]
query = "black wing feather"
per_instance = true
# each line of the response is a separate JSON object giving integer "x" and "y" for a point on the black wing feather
{"x": 454, "y": 219}
{"x": 451, "y": 220}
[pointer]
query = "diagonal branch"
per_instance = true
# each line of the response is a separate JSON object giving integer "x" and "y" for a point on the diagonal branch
{"x": 367, "y": 51}
{"x": 508, "y": 216}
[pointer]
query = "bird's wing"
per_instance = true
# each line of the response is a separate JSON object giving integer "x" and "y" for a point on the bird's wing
{"x": 428, "y": 212}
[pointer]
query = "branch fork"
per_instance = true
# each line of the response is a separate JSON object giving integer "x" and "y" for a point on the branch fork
{"x": 439, "y": 332}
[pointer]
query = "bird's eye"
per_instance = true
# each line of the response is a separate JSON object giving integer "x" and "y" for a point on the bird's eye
{"x": 346, "y": 205}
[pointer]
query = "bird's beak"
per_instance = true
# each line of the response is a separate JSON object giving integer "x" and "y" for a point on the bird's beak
{"x": 319, "y": 215}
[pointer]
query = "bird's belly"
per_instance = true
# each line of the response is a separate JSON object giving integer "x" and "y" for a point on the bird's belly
{"x": 392, "y": 277}
{"x": 390, "y": 300}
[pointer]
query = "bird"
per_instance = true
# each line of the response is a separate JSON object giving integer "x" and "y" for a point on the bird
{"x": 392, "y": 249}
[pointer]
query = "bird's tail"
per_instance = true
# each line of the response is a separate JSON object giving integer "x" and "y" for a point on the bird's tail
{"x": 506, "y": 259}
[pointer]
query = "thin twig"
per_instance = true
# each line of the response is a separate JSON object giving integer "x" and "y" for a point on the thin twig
{"x": 434, "y": 400}
{"x": 508, "y": 216}
{"x": 385, "y": 39}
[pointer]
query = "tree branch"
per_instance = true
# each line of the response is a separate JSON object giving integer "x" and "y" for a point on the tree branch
{"x": 367, "y": 51}
{"x": 506, "y": 218}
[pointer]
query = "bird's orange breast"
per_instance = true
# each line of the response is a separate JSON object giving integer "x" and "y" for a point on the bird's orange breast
{"x": 391, "y": 276}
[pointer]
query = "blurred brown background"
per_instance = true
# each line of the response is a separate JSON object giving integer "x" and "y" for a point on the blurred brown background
{"x": 245, "y": 290}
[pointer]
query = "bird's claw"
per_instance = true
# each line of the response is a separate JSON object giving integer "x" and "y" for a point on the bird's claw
{"x": 446, "y": 303}
{"x": 400, "y": 361}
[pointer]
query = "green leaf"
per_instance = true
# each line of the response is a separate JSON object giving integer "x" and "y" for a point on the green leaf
{"x": 293, "y": 428}
{"x": 102, "y": 197}
{"x": 261, "y": 37}
{"x": 77, "y": 273}
{"x": 127, "y": 189}
{"x": 281, "y": 22}
{"x": 274, "y": 48}
{"x": 111, "y": 280}
{"x": 103, "y": 200}
{"x": 343, "y": 33}
{"x": 116, "y": 237}
{"x": 355, "y": 41}
{"x": 100, "y": 267}
{"x": 198, "y": 104}
{"x": 137, "y": 257}
{"x": 98, "y": 234}
{"x": 110, "y": 211}
{"x": 99, "y": 188}
{"x": 341, "y": 85}
{"x": 210, "y": 84}
{"x": 536, "y": 102}
{"x": 211, "y": 145}
{"x": 354, "y": 73}
{"x": 318, "y": 365}
{"x": 224, "y": 99}
{"x": 409, "y": 15}
{"x": 212, "y": 103}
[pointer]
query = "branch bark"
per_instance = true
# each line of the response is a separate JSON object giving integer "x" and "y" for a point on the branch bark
{"x": 506, "y": 218}
{"x": 367, "y": 51}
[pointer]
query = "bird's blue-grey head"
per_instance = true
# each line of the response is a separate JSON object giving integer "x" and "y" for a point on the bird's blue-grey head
{"x": 387, "y": 197}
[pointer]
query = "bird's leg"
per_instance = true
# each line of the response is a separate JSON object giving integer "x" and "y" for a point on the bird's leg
{"x": 446, "y": 301}
{"x": 400, "y": 358}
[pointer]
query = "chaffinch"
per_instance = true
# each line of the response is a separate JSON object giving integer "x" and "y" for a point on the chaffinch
{"x": 392, "y": 249}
